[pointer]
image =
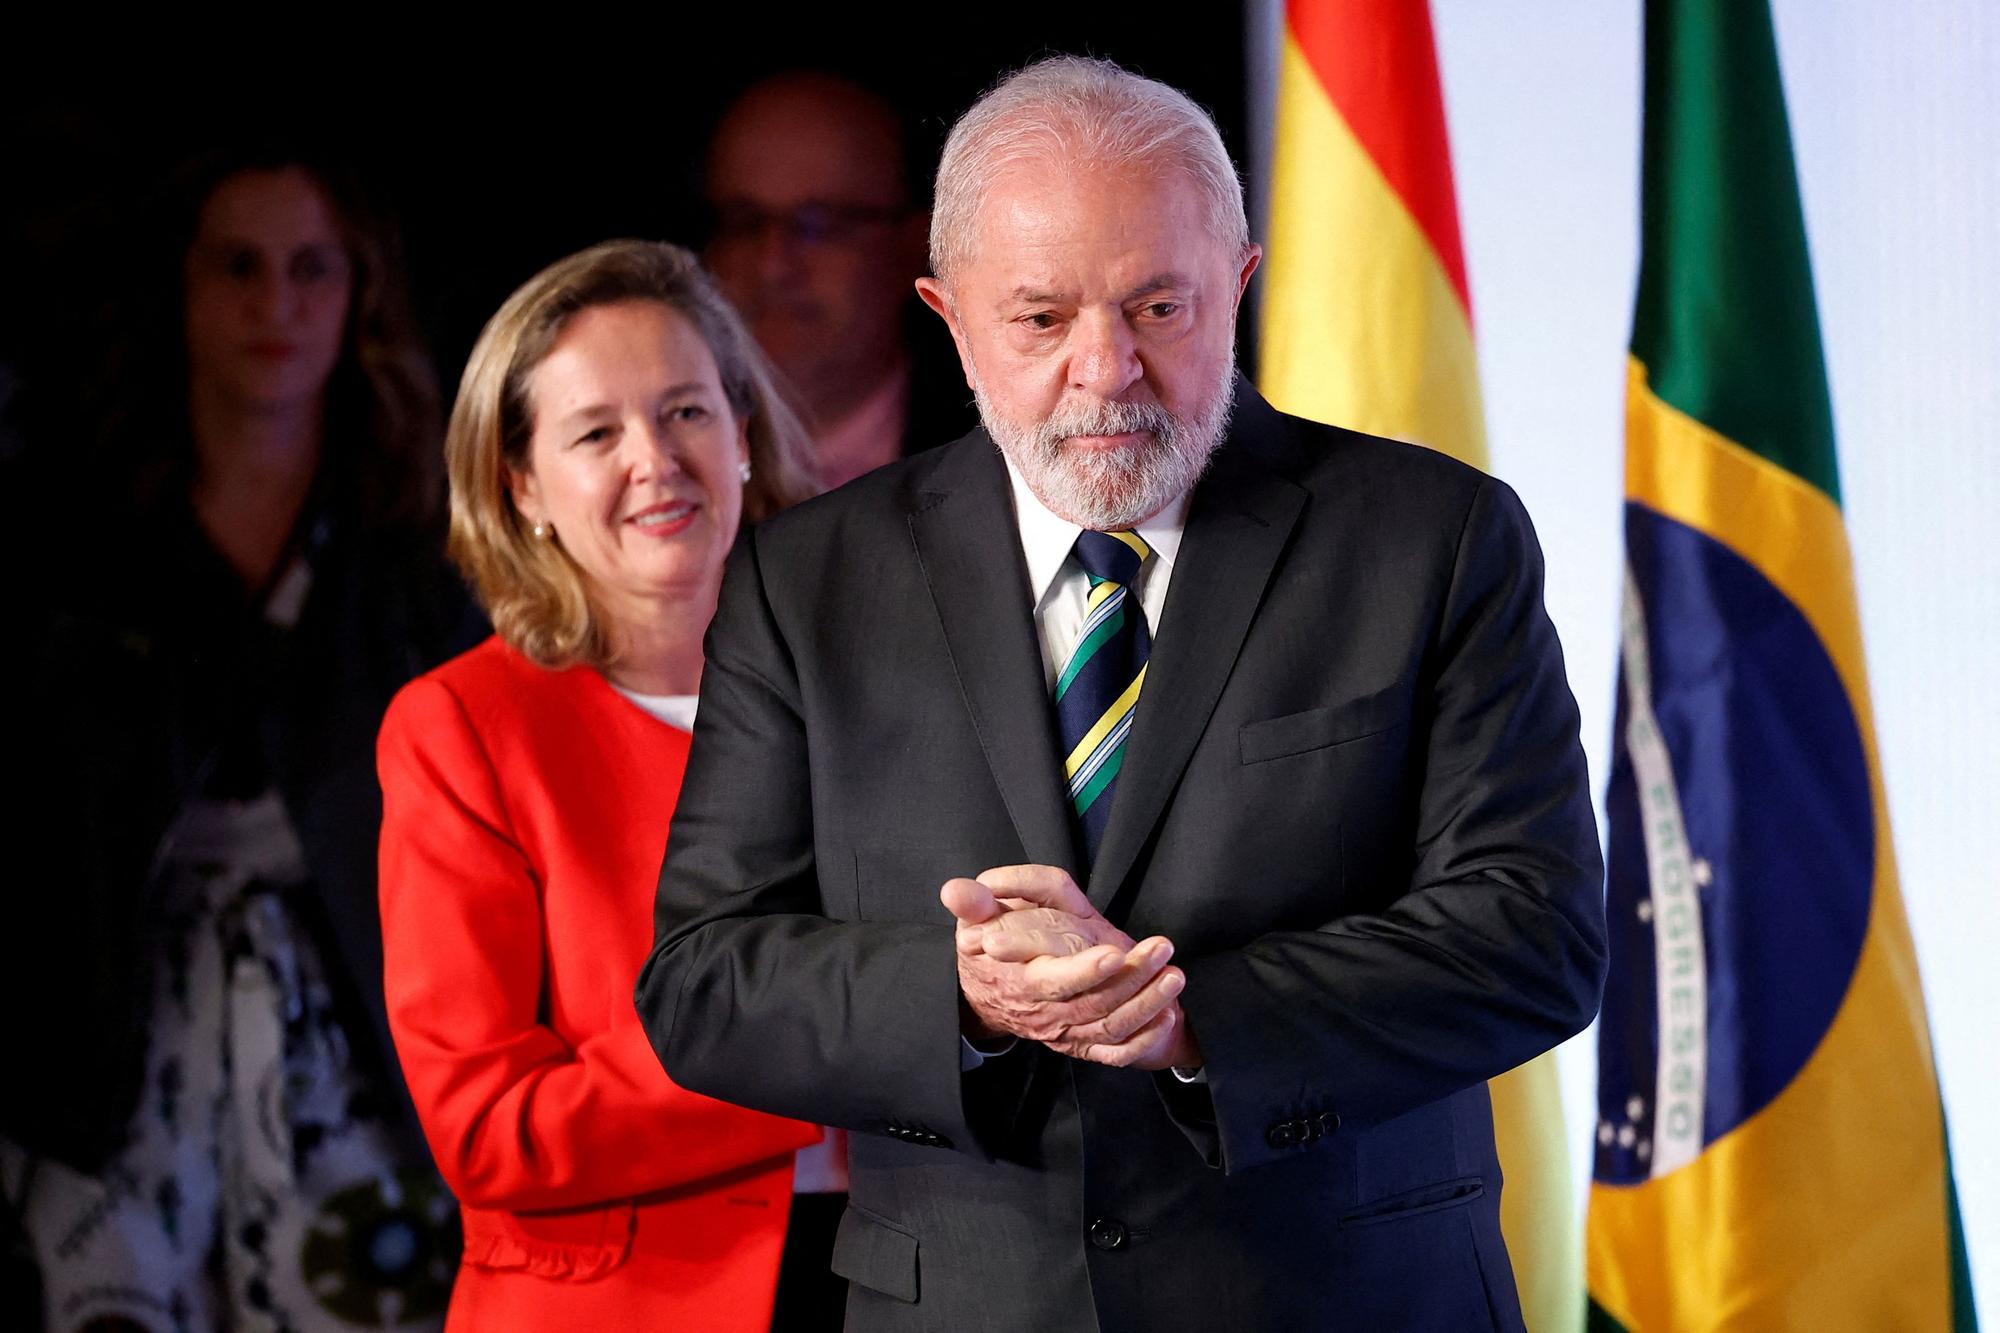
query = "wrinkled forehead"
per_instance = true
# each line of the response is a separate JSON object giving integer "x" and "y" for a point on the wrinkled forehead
{"x": 1040, "y": 217}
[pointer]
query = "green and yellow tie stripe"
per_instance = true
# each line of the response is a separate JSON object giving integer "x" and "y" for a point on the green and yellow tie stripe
{"x": 1098, "y": 688}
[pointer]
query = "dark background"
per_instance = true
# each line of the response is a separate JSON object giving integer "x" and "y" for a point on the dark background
{"x": 498, "y": 156}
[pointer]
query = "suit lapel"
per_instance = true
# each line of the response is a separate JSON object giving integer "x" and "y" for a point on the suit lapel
{"x": 969, "y": 548}
{"x": 1241, "y": 516}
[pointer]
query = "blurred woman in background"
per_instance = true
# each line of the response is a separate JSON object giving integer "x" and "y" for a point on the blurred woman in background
{"x": 614, "y": 428}
{"x": 206, "y": 1130}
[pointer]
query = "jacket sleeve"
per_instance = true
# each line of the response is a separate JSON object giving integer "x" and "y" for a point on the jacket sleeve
{"x": 1493, "y": 951}
{"x": 752, "y": 993}
{"x": 517, "y": 1117}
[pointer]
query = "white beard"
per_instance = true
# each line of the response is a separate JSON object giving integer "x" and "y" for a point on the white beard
{"x": 1109, "y": 491}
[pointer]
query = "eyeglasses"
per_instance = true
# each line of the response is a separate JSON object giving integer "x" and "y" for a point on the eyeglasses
{"x": 815, "y": 222}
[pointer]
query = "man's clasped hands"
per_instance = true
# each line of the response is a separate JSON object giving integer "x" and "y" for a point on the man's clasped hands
{"x": 1037, "y": 962}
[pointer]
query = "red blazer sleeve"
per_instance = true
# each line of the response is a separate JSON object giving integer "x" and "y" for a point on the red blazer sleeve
{"x": 516, "y": 1116}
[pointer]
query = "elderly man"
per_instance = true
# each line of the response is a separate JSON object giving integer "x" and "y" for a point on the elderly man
{"x": 1150, "y": 834}
{"x": 816, "y": 239}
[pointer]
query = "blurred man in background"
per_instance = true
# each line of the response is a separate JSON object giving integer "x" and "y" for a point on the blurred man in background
{"x": 818, "y": 239}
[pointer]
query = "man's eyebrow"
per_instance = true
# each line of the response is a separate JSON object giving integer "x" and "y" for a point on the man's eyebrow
{"x": 1035, "y": 295}
{"x": 1159, "y": 282}
{"x": 1045, "y": 296}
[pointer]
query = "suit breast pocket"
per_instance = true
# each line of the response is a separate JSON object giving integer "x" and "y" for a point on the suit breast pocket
{"x": 1324, "y": 727}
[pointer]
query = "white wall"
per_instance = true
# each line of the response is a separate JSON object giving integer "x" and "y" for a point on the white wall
{"x": 1896, "y": 122}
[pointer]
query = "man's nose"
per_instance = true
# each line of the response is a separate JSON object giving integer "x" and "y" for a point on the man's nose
{"x": 1104, "y": 356}
{"x": 780, "y": 252}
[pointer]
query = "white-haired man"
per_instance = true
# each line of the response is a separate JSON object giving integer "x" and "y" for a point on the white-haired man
{"x": 1150, "y": 834}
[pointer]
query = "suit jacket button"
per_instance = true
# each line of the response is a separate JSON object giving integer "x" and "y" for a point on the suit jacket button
{"x": 1284, "y": 1134}
{"x": 1107, "y": 1233}
{"x": 1328, "y": 1122}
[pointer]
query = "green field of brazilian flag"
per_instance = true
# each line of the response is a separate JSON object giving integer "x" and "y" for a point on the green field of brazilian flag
{"x": 1771, "y": 1150}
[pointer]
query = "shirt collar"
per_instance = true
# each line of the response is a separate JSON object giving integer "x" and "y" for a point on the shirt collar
{"x": 1046, "y": 538}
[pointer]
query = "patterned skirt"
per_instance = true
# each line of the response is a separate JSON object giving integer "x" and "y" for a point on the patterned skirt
{"x": 258, "y": 1188}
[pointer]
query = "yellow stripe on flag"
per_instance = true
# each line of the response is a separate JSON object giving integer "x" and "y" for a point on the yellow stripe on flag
{"x": 1538, "y": 1203}
{"x": 1360, "y": 325}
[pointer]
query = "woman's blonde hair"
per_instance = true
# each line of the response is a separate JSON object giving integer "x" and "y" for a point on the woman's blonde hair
{"x": 533, "y": 592}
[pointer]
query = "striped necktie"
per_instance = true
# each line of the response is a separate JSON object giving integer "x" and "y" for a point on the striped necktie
{"x": 1099, "y": 685}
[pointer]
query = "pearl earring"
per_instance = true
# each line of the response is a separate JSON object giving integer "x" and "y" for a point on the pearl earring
{"x": 745, "y": 471}
{"x": 542, "y": 532}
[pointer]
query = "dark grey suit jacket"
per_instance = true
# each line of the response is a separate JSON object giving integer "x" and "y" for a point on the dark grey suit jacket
{"x": 1353, "y": 798}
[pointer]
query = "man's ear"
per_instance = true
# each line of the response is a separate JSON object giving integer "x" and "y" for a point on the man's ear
{"x": 1253, "y": 254}
{"x": 937, "y": 298}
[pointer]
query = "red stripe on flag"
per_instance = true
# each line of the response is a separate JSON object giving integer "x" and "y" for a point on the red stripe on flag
{"x": 1378, "y": 65}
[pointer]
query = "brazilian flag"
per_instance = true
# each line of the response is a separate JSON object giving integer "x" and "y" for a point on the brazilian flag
{"x": 1770, "y": 1148}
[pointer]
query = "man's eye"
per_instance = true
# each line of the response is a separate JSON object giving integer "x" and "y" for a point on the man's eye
{"x": 1161, "y": 309}
{"x": 1040, "y": 320}
{"x": 597, "y": 435}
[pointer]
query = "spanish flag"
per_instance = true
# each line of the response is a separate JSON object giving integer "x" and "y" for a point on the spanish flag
{"x": 1367, "y": 318}
{"x": 1367, "y": 323}
{"x": 1771, "y": 1148}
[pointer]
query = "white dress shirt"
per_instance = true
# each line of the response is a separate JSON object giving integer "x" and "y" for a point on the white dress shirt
{"x": 1058, "y": 582}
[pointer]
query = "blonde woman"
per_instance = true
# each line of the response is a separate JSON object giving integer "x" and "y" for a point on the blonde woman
{"x": 614, "y": 427}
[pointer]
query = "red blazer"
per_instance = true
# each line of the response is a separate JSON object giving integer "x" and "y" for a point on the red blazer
{"x": 525, "y": 816}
